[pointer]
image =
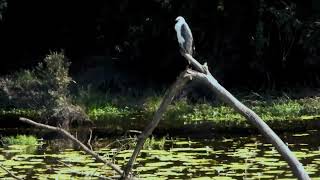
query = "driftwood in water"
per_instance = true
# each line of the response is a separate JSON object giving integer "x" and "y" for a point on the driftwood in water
{"x": 75, "y": 140}
{"x": 10, "y": 173}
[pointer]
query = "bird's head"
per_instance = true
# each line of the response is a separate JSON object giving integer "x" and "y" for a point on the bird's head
{"x": 179, "y": 18}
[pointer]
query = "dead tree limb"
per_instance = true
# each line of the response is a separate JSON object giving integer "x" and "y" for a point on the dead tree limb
{"x": 167, "y": 99}
{"x": 10, "y": 173}
{"x": 75, "y": 140}
{"x": 205, "y": 76}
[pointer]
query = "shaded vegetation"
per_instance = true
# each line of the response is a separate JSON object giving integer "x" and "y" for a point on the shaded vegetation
{"x": 42, "y": 92}
{"x": 270, "y": 43}
{"x": 44, "y": 86}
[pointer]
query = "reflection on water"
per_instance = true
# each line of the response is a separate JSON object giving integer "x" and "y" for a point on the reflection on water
{"x": 223, "y": 157}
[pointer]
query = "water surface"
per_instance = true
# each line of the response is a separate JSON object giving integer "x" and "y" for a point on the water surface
{"x": 217, "y": 157}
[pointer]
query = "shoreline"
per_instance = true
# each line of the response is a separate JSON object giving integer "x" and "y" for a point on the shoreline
{"x": 196, "y": 128}
{"x": 121, "y": 113}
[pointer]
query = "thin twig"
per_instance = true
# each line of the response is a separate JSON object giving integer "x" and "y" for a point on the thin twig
{"x": 10, "y": 173}
{"x": 68, "y": 135}
{"x": 82, "y": 173}
{"x": 118, "y": 141}
{"x": 119, "y": 150}
{"x": 89, "y": 140}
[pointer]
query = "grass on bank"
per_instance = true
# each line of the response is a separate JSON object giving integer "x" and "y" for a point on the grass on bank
{"x": 278, "y": 112}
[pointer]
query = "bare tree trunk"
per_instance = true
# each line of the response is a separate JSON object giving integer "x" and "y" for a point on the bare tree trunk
{"x": 206, "y": 77}
{"x": 167, "y": 99}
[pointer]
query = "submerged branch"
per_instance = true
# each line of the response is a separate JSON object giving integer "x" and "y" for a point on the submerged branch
{"x": 75, "y": 140}
{"x": 10, "y": 173}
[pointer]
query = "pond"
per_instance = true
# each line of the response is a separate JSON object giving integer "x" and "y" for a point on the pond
{"x": 216, "y": 157}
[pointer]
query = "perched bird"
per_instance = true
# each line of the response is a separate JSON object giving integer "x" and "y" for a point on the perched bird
{"x": 184, "y": 35}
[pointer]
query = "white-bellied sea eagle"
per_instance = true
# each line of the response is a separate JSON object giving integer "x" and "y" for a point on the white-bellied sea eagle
{"x": 184, "y": 35}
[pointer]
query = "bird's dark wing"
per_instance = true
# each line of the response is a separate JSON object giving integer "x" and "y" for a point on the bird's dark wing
{"x": 187, "y": 35}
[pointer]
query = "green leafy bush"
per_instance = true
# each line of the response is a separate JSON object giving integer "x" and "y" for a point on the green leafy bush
{"x": 19, "y": 140}
{"x": 54, "y": 73}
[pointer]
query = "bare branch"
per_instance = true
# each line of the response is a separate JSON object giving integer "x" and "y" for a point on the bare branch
{"x": 194, "y": 62}
{"x": 73, "y": 139}
{"x": 132, "y": 131}
{"x": 10, "y": 173}
{"x": 167, "y": 99}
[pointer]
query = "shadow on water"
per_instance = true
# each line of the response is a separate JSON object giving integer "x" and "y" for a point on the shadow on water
{"x": 220, "y": 156}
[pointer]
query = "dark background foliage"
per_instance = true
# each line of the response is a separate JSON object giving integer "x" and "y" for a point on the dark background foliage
{"x": 121, "y": 44}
